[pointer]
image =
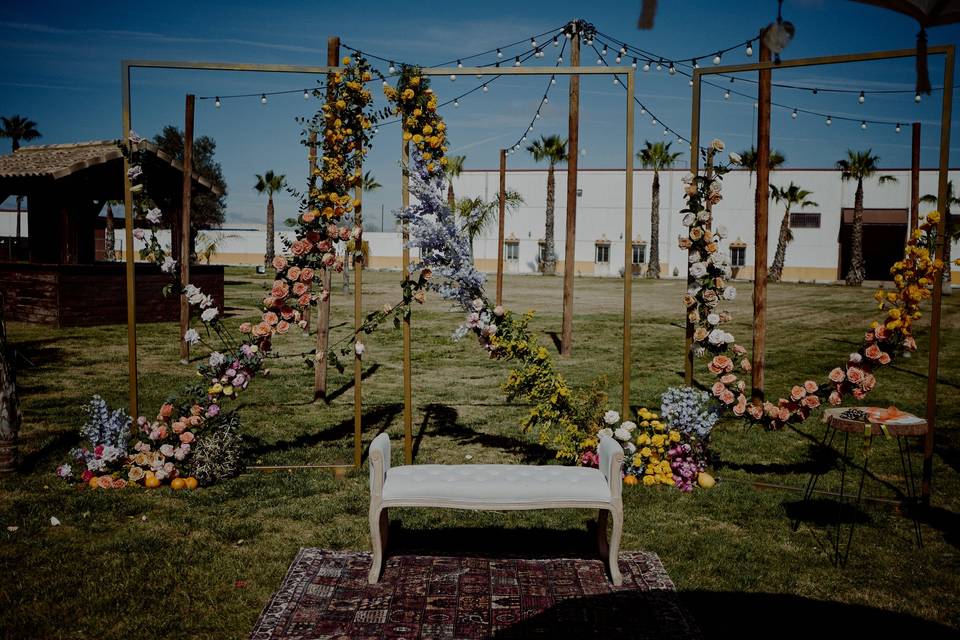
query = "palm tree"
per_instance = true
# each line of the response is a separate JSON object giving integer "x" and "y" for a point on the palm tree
{"x": 859, "y": 165}
{"x": 370, "y": 182}
{"x": 109, "y": 233}
{"x": 269, "y": 183}
{"x": 748, "y": 160}
{"x": 454, "y": 169}
{"x": 950, "y": 234}
{"x": 18, "y": 128}
{"x": 790, "y": 196}
{"x": 478, "y": 214}
{"x": 553, "y": 149}
{"x": 655, "y": 156}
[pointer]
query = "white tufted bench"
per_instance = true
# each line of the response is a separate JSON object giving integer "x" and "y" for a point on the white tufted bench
{"x": 493, "y": 487}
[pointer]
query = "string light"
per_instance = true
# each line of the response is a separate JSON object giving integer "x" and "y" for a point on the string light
{"x": 453, "y": 77}
{"x": 216, "y": 102}
{"x": 616, "y": 80}
{"x": 533, "y": 43}
{"x": 603, "y": 51}
{"x": 634, "y": 63}
{"x": 916, "y": 98}
{"x": 716, "y": 59}
{"x": 618, "y": 59}
{"x": 749, "y": 50}
{"x": 306, "y": 94}
{"x": 556, "y": 41}
{"x": 392, "y": 69}
{"x": 794, "y": 114}
{"x": 499, "y": 53}
{"x": 897, "y": 128}
{"x": 553, "y": 81}
{"x": 485, "y": 88}
{"x": 646, "y": 65}
{"x": 456, "y": 103}
{"x": 546, "y": 99}
{"x": 726, "y": 94}
{"x": 660, "y": 65}
{"x": 829, "y": 121}
{"x": 863, "y": 124}
{"x": 643, "y": 110}
{"x": 599, "y": 61}
{"x": 696, "y": 64}
{"x": 862, "y": 98}
{"x": 516, "y": 61}
{"x": 263, "y": 98}
{"x": 673, "y": 69}
{"x": 459, "y": 65}
{"x": 559, "y": 59}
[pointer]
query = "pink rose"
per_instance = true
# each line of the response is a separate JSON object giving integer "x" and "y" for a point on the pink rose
{"x": 797, "y": 392}
{"x": 306, "y": 275}
{"x": 881, "y": 332}
{"x": 270, "y": 318}
{"x": 835, "y": 398}
{"x": 245, "y": 327}
{"x": 740, "y": 408}
{"x": 279, "y": 263}
{"x": 855, "y": 375}
{"x": 333, "y": 231}
{"x": 909, "y": 343}
{"x": 868, "y": 336}
{"x": 837, "y": 375}
{"x": 873, "y": 352}
{"x": 298, "y": 248}
{"x": 810, "y": 386}
{"x": 739, "y": 350}
{"x": 186, "y": 437}
{"x": 771, "y": 409}
{"x": 179, "y": 427}
{"x": 859, "y": 393}
{"x": 727, "y": 397}
{"x": 718, "y": 388}
{"x": 869, "y": 382}
{"x": 119, "y": 483}
{"x": 105, "y": 482}
{"x": 811, "y": 402}
{"x": 728, "y": 378}
{"x": 283, "y": 326}
{"x": 269, "y": 302}
{"x": 166, "y": 410}
{"x": 299, "y": 289}
{"x": 884, "y": 358}
{"x": 344, "y": 234}
{"x": 304, "y": 300}
{"x": 783, "y": 414}
{"x": 745, "y": 365}
{"x": 280, "y": 289}
{"x": 755, "y": 411}
{"x": 293, "y": 273}
{"x": 329, "y": 259}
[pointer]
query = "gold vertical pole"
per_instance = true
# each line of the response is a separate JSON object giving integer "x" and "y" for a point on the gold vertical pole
{"x": 407, "y": 374}
{"x": 502, "y": 202}
{"x": 185, "y": 204}
{"x": 128, "y": 245}
{"x": 628, "y": 249}
{"x": 934, "y": 360}
{"x": 694, "y": 169}
{"x": 357, "y": 322}
{"x": 760, "y": 226}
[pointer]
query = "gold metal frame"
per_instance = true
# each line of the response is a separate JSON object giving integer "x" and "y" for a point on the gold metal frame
{"x": 627, "y": 224}
{"x": 948, "y": 51}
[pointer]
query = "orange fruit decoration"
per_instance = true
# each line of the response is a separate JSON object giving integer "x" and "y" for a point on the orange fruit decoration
{"x": 178, "y": 483}
{"x": 93, "y": 483}
{"x": 192, "y": 483}
{"x": 151, "y": 482}
{"x": 630, "y": 480}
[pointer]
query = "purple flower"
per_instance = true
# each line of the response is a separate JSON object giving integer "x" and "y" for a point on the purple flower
{"x": 213, "y": 410}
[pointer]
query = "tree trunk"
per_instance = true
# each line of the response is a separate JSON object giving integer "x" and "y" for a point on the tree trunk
{"x": 9, "y": 408}
{"x": 346, "y": 268}
{"x": 19, "y": 204}
{"x": 856, "y": 273}
{"x": 109, "y": 236}
{"x": 451, "y": 200}
{"x": 947, "y": 241}
{"x": 550, "y": 255}
{"x": 268, "y": 257}
{"x": 776, "y": 269}
{"x": 653, "y": 266}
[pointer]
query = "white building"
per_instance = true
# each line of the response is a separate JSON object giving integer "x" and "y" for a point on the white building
{"x": 817, "y": 253}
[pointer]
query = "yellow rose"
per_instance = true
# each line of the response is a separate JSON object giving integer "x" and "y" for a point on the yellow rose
{"x": 649, "y": 481}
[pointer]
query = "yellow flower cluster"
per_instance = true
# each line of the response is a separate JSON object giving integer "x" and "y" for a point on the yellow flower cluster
{"x": 416, "y": 104}
{"x": 653, "y": 440}
{"x": 913, "y": 277}
{"x": 345, "y": 125}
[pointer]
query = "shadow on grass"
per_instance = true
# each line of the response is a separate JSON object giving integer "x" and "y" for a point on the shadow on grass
{"x": 768, "y": 615}
{"x": 57, "y": 446}
{"x": 503, "y": 542}
{"x": 382, "y": 416}
{"x": 442, "y": 419}
{"x": 342, "y": 389}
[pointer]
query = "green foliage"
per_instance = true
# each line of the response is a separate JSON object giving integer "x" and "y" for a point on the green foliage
{"x": 657, "y": 155}
{"x": 18, "y": 128}
{"x": 551, "y": 148}
{"x": 207, "y": 209}
{"x": 216, "y": 452}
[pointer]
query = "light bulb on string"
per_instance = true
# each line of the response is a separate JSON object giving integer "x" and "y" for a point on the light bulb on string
{"x": 533, "y": 43}
{"x": 453, "y": 77}
{"x": 567, "y": 34}
{"x": 499, "y": 53}
{"x": 696, "y": 64}
{"x": 530, "y": 128}
{"x": 690, "y": 82}
{"x": 385, "y": 84}
{"x": 618, "y": 59}
{"x": 643, "y": 110}
{"x": 863, "y": 124}
{"x": 634, "y": 63}
{"x": 616, "y": 80}
{"x": 603, "y": 51}
{"x": 516, "y": 61}
{"x": 559, "y": 59}
{"x": 653, "y": 121}
{"x": 538, "y": 115}
{"x": 816, "y": 91}
{"x": 917, "y": 98}
{"x": 459, "y": 65}
{"x": 306, "y": 94}
{"x": 553, "y": 80}
{"x": 726, "y": 94}
{"x": 556, "y": 41}
{"x": 623, "y": 49}
{"x": 392, "y": 69}
{"x": 589, "y": 42}
{"x": 660, "y": 65}
{"x": 861, "y": 98}
{"x": 672, "y": 69}
{"x": 666, "y": 132}
{"x": 456, "y": 103}
{"x": 479, "y": 76}
{"x": 716, "y": 59}
{"x": 897, "y": 128}
{"x": 749, "y": 49}
{"x": 485, "y": 88}
{"x": 583, "y": 152}
{"x": 263, "y": 98}
{"x": 216, "y": 102}
{"x": 646, "y": 66}
{"x": 523, "y": 139}
{"x": 599, "y": 61}
{"x": 546, "y": 99}
{"x": 794, "y": 114}
{"x": 756, "y": 105}
{"x": 829, "y": 121}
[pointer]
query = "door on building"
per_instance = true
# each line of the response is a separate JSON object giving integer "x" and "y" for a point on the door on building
{"x": 884, "y": 236}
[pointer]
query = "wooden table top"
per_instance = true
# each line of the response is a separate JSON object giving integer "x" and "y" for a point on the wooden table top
{"x": 906, "y": 424}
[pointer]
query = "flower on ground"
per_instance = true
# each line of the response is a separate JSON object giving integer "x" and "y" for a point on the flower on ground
{"x": 191, "y": 337}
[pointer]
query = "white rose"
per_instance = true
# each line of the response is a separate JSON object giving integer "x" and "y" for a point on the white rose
{"x": 729, "y": 293}
{"x": 728, "y": 337}
{"x": 630, "y": 448}
{"x": 191, "y": 290}
{"x": 629, "y": 425}
{"x": 716, "y": 144}
{"x": 717, "y": 337}
{"x": 713, "y": 318}
{"x": 359, "y": 348}
{"x": 721, "y": 231}
{"x": 606, "y": 432}
{"x": 715, "y": 186}
{"x": 855, "y": 357}
{"x": 611, "y": 417}
{"x": 167, "y": 450}
{"x": 153, "y": 216}
{"x": 689, "y": 219}
{"x": 687, "y": 179}
{"x": 622, "y": 434}
{"x": 735, "y": 158}
{"x": 169, "y": 264}
{"x": 698, "y": 269}
{"x": 694, "y": 256}
{"x": 209, "y": 314}
{"x": 191, "y": 337}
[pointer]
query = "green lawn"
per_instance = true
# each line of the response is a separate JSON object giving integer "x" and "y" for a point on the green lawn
{"x": 163, "y": 564}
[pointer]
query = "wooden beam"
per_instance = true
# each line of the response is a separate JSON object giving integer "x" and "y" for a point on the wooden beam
{"x": 627, "y": 248}
{"x": 357, "y": 323}
{"x": 502, "y": 223}
{"x": 128, "y": 251}
{"x": 915, "y": 178}
{"x": 323, "y": 306}
{"x": 187, "y": 201}
{"x": 823, "y": 60}
{"x": 760, "y": 222}
{"x": 569, "y": 247}
{"x": 933, "y": 364}
{"x": 407, "y": 368}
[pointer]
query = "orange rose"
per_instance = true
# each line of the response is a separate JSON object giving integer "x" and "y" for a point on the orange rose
{"x": 279, "y": 263}
{"x": 280, "y": 289}
{"x": 811, "y": 402}
{"x": 837, "y": 375}
{"x": 270, "y": 318}
{"x": 306, "y": 275}
{"x": 293, "y": 274}
{"x": 283, "y": 326}
{"x": 304, "y": 300}
{"x": 166, "y": 410}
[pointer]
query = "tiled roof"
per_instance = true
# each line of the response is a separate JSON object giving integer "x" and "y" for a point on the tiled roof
{"x": 61, "y": 160}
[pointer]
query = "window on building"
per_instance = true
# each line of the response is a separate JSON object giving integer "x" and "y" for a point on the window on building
{"x": 804, "y": 220}
{"x": 639, "y": 253}
{"x": 738, "y": 256}
{"x": 541, "y": 252}
{"x": 603, "y": 254}
{"x": 512, "y": 250}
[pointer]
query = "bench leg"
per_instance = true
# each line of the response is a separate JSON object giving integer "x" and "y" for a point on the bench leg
{"x": 379, "y": 525}
{"x": 614, "y": 553}
{"x": 602, "y": 519}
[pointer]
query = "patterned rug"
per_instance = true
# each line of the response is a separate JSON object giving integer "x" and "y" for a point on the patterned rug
{"x": 325, "y": 595}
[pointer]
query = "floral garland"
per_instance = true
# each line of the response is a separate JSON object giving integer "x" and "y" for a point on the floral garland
{"x": 913, "y": 277}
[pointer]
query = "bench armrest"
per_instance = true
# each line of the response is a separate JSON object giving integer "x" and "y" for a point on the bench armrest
{"x": 611, "y": 464}
{"x": 379, "y": 463}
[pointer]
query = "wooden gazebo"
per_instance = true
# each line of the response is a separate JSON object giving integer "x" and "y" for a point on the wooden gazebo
{"x": 66, "y": 186}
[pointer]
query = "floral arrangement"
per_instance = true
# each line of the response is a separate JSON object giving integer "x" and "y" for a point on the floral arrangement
{"x": 913, "y": 278}
{"x": 101, "y": 458}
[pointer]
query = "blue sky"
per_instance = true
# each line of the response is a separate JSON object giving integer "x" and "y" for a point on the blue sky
{"x": 59, "y": 65}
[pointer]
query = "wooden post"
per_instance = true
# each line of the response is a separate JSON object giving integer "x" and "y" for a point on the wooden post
{"x": 503, "y": 215}
{"x": 915, "y": 178}
{"x": 128, "y": 251}
{"x": 694, "y": 168}
{"x": 761, "y": 213}
{"x": 569, "y": 248}
{"x": 933, "y": 364}
{"x": 311, "y": 181}
{"x": 407, "y": 368}
{"x": 357, "y": 322}
{"x": 627, "y": 248}
{"x": 185, "y": 225}
{"x": 323, "y": 306}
